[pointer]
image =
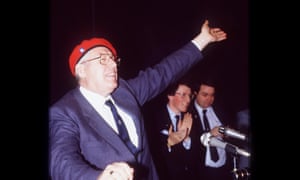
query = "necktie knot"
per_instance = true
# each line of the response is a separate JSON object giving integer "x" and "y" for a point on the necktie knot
{"x": 109, "y": 103}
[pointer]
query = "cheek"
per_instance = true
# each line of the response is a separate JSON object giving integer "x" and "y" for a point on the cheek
{"x": 177, "y": 101}
{"x": 211, "y": 99}
{"x": 183, "y": 104}
{"x": 203, "y": 101}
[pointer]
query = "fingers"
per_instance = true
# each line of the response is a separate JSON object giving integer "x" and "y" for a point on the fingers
{"x": 187, "y": 121}
{"x": 176, "y": 137}
{"x": 205, "y": 24}
{"x": 218, "y": 34}
{"x": 117, "y": 171}
{"x": 187, "y": 115}
{"x": 170, "y": 129}
{"x": 187, "y": 133}
{"x": 215, "y": 30}
{"x": 180, "y": 135}
{"x": 215, "y": 131}
{"x": 179, "y": 124}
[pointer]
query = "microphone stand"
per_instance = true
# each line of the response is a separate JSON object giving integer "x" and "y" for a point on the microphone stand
{"x": 239, "y": 174}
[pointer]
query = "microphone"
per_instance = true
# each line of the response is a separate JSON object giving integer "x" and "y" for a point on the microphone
{"x": 232, "y": 133}
{"x": 208, "y": 140}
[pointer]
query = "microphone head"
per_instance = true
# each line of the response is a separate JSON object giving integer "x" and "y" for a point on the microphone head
{"x": 243, "y": 152}
{"x": 208, "y": 140}
{"x": 232, "y": 133}
{"x": 205, "y": 138}
{"x": 217, "y": 142}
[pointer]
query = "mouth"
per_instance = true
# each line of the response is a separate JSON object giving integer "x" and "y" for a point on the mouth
{"x": 112, "y": 76}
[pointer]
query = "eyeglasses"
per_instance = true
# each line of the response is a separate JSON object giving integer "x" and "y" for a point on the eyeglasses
{"x": 184, "y": 95}
{"x": 104, "y": 59}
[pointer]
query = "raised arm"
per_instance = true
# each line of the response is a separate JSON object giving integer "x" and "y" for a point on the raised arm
{"x": 209, "y": 35}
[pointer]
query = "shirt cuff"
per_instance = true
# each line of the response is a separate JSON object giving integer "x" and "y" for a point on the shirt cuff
{"x": 187, "y": 143}
{"x": 197, "y": 45}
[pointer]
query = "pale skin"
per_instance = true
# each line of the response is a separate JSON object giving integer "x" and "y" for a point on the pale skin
{"x": 103, "y": 79}
{"x": 179, "y": 103}
{"x": 205, "y": 97}
{"x": 184, "y": 128}
{"x": 117, "y": 171}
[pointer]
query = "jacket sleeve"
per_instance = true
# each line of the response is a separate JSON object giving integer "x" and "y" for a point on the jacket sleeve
{"x": 153, "y": 80}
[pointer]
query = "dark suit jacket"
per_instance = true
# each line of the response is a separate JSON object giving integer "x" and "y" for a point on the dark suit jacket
{"x": 209, "y": 173}
{"x": 82, "y": 143}
{"x": 179, "y": 163}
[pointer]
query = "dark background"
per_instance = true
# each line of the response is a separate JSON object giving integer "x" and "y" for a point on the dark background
{"x": 38, "y": 37}
{"x": 143, "y": 32}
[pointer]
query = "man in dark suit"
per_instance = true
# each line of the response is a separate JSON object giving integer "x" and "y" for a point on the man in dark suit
{"x": 85, "y": 141}
{"x": 175, "y": 142}
{"x": 203, "y": 110}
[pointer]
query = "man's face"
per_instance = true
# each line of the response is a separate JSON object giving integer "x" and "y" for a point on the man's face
{"x": 205, "y": 96}
{"x": 98, "y": 74}
{"x": 180, "y": 101}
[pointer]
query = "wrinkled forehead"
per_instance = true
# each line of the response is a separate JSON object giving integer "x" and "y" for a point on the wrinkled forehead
{"x": 95, "y": 52}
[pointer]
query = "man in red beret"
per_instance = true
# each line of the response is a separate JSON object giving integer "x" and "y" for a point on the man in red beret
{"x": 97, "y": 130}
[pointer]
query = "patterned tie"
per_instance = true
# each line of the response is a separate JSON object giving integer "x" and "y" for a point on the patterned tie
{"x": 121, "y": 127}
{"x": 213, "y": 150}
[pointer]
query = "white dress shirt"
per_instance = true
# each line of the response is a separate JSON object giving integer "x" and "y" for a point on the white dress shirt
{"x": 98, "y": 102}
{"x": 187, "y": 142}
{"x": 213, "y": 121}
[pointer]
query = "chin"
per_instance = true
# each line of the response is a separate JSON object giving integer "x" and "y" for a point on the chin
{"x": 114, "y": 85}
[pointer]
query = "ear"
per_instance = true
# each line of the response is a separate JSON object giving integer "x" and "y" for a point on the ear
{"x": 79, "y": 70}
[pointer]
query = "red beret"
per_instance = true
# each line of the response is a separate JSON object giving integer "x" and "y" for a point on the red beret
{"x": 84, "y": 47}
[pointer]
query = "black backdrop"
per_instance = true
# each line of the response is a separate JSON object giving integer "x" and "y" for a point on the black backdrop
{"x": 145, "y": 31}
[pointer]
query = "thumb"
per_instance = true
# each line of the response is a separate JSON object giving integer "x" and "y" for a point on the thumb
{"x": 170, "y": 129}
{"x": 205, "y": 23}
{"x": 187, "y": 133}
